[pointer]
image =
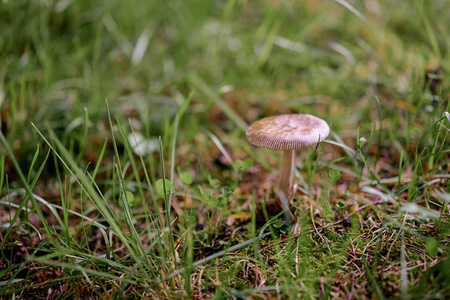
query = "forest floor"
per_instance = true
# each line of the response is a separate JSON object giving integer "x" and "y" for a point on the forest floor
{"x": 125, "y": 171}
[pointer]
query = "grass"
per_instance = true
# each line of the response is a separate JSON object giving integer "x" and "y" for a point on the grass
{"x": 84, "y": 212}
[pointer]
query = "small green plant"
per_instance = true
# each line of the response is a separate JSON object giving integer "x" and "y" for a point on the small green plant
{"x": 163, "y": 187}
{"x": 186, "y": 178}
{"x": 242, "y": 165}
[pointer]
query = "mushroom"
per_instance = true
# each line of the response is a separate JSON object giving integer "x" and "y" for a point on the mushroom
{"x": 287, "y": 133}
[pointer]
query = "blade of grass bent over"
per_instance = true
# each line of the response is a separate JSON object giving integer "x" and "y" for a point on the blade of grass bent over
{"x": 85, "y": 184}
{"x": 205, "y": 89}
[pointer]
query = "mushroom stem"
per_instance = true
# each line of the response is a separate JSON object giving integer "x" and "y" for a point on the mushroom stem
{"x": 287, "y": 167}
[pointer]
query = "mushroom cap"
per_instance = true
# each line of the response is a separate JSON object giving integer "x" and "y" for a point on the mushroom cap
{"x": 283, "y": 132}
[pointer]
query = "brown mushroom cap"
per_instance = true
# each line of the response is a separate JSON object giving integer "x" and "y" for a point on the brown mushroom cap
{"x": 285, "y": 132}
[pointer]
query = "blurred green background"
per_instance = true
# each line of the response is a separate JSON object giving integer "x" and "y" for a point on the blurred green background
{"x": 59, "y": 57}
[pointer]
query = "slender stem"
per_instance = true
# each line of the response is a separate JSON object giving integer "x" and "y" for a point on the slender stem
{"x": 287, "y": 167}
